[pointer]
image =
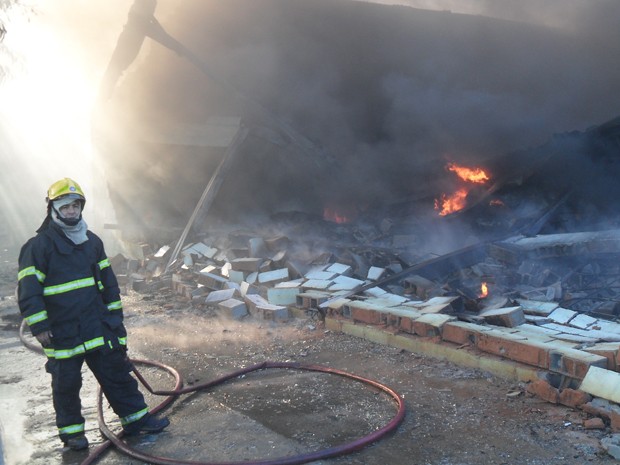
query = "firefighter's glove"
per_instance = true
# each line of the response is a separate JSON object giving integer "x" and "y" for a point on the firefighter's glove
{"x": 44, "y": 338}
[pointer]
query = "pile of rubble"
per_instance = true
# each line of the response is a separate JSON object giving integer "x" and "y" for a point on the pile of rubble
{"x": 524, "y": 318}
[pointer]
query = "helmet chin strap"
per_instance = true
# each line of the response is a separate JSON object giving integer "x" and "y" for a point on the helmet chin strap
{"x": 67, "y": 221}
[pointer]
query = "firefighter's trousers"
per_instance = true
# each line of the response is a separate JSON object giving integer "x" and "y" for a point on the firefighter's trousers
{"x": 113, "y": 372}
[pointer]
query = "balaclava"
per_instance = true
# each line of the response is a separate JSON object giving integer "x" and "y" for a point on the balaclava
{"x": 74, "y": 228}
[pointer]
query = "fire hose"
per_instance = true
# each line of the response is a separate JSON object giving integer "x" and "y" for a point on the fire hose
{"x": 171, "y": 395}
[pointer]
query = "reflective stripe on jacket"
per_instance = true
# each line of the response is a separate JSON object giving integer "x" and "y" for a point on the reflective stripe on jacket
{"x": 70, "y": 290}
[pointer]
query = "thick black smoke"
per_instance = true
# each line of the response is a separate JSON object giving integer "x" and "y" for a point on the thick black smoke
{"x": 390, "y": 92}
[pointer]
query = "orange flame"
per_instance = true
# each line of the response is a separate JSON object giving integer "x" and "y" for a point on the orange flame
{"x": 475, "y": 175}
{"x": 484, "y": 290}
{"x": 451, "y": 203}
{"x": 330, "y": 214}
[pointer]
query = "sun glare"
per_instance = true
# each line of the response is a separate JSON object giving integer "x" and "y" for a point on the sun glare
{"x": 44, "y": 114}
{"x": 45, "y": 97}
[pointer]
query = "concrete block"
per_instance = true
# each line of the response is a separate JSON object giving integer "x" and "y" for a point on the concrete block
{"x": 283, "y": 296}
{"x": 586, "y": 335}
{"x": 253, "y": 301}
{"x": 334, "y": 306}
{"x": 375, "y": 292}
{"x": 535, "y": 307}
{"x": 249, "y": 264}
{"x": 273, "y": 277}
{"x": 402, "y": 318}
{"x": 430, "y": 324}
{"x": 271, "y": 312}
{"x": 225, "y": 269}
{"x": 562, "y": 315}
{"x": 508, "y": 317}
{"x": 419, "y": 285}
{"x": 211, "y": 281}
{"x": 439, "y": 308}
{"x": 215, "y": 297}
{"x": 514, "y": 347}
{"x": 441, "y": 304}
{"x": 341, "y": 269}
{"x": 574, "y": 363}
{"x": 609, "y": 350}
{"x": 279, "y": 242}
{"x": 575, "y": 340}
{"x": 375, "y": 273}
{"x": 320, "y": 275}
{"x": 317, "y": 284}
{"x": 246, "y": 288}
{"x": 201, "y": 249}
{"x": 364, "y": 313}
{"x": 311, "y": 299}
{"x": 607, "y": 326}
{"x": 161, "y": 253}
{"x": 344, "y": 283}
{"x": 583, "y": 321}
{"x": 536, "y": 319}
{"x": 233, "y": 308}
{"x": 441, "y": 300}
{"x": 209, "y": 269}
{"x": 529, "y": 330}
{"x": 387, "y": 300}
{"x": 461, "y": 332}
{"x": 602, "y": 383}
{"x": 232, "y": 285}
{"x": 236, "y": 276}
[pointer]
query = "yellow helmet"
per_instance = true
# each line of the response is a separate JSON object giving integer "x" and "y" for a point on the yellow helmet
{"x": 66, "y": 187}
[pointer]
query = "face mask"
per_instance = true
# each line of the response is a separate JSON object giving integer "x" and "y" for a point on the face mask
{"x": 65, "y": 213}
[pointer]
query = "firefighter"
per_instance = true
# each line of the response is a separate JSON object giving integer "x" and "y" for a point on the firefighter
{"x": 70, "y": 299}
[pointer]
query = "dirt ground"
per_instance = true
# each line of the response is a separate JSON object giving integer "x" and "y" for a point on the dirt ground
{"x": 454, "y": 415}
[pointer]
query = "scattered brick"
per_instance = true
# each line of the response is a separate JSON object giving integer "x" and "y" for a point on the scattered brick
{"x": 574, "y": 398}
{"x": 544, "y": 390}
{"x": 594, "y": 423}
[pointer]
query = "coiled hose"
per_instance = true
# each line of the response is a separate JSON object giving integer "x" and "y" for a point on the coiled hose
{"x": 115, "y": 439}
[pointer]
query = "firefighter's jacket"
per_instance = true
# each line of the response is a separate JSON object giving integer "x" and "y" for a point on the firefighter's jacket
{"x": 70, "y": 290}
